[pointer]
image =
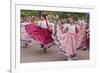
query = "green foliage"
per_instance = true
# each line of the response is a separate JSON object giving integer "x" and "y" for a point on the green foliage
{"x": 25, "y": 13}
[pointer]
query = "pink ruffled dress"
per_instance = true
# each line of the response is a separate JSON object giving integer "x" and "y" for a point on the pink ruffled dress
{"x": 70, "y": 41}
{"x": 42, "y": 35}
{"x": 25, "y": 38}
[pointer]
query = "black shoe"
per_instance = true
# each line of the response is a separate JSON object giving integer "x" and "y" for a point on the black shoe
{"x": 45, "y": 50}
{"x": 84, "y": 49}
{"x": 25, "y": 45}
{"x": 42, "y": 46}
{"x": 66, "y": 59}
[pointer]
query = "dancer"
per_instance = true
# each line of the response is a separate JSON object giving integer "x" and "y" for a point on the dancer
{"x": 70, "y": 38}
{"x": 41, "y": 32}
{"x": 25, "y": 38}
{"x": 86, "y": 42}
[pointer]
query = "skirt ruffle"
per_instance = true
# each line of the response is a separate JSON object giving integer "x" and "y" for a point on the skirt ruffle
{"x": 70, "y": 41}
{"x": 41, "y": 35}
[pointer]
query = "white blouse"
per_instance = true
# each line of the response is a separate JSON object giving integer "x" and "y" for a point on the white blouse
{"x": 43, "y": 24}
{"x": 71, "y": 28}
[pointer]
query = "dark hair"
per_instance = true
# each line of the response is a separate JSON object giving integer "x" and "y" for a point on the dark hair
{"x": 44, "y": 16}
{"x": 33, "y": 19}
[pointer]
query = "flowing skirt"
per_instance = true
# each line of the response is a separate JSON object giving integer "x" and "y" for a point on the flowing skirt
{"x": 43, "y": 36}
{"x": 70, "y": 41}
{"x": 86, "y": 43}
{"x": 24, "y": 35}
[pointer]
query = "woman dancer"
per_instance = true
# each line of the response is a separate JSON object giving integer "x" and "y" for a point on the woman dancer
{"x": 70, "y": 38}
{"x": 86, "y": 41}
{"x": 25, "y": 38}
{"x": 41, "y": 32}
